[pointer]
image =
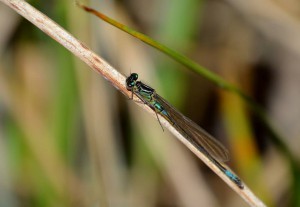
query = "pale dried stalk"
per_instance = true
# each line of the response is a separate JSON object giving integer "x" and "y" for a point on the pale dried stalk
{"x": 114, "y": 77}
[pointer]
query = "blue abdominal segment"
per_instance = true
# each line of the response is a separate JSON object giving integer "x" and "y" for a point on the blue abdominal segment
{"x": 234, "y": 178}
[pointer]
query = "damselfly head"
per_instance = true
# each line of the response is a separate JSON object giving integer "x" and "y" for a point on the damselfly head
{"x": 131, "y": 81}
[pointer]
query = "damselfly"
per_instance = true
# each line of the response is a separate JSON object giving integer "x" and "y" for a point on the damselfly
{"x": 198, "y": 137}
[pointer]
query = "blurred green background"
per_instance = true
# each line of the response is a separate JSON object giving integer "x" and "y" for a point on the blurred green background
{"x": 68, "y": 138}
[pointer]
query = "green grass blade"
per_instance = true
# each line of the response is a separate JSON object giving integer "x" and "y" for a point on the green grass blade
{"x": 171, "y": 53}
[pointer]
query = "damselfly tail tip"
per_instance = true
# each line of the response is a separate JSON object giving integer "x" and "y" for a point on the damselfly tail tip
{"x": 235, "y": 179}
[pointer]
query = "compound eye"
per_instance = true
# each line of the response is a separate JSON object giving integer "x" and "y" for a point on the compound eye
{"x": 135, "y": 76}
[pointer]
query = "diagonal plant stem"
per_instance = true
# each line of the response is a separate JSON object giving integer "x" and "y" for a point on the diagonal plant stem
{"x": 116, "y": 79}
{"x": 219, "y": 81}
{"x": 171, "y": 53}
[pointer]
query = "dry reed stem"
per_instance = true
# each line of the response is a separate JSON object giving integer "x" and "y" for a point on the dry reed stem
{"x": 115, "y": 78}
